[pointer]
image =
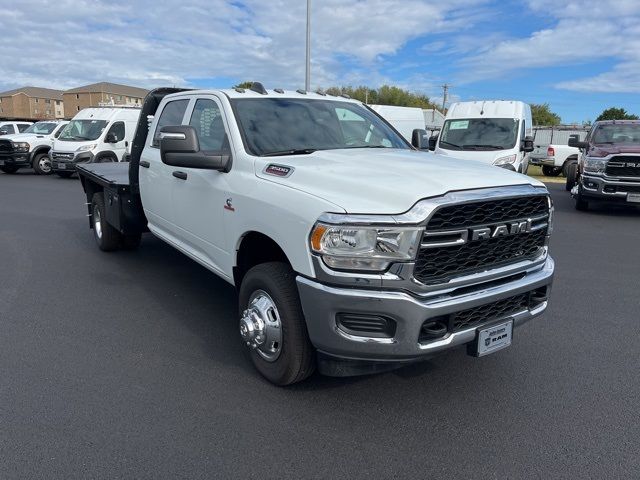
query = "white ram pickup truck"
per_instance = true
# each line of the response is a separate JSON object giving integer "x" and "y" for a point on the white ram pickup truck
{"x": 30, "y": 149}
{"x": 351, "y": 250}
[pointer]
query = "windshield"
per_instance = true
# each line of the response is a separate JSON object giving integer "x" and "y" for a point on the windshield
{"x": 479, "y": 134}
{"x": 79, "y": 130}
{"x": 617, "y": 133}
{"x": 41, "y": 128}
{"x": 285, "y": 126}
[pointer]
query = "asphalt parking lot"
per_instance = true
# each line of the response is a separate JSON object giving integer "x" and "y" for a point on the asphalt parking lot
{"x": 128, "y": 365}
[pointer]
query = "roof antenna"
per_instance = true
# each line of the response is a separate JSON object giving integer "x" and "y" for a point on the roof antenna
{"x": 482, "y": 107}
{"x": 258, "y": 88}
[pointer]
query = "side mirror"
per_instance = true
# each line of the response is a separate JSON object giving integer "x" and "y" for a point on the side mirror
{"x": 527, "y": 144}
{"x": 418, "y": 138}
{"x": 574, "y": 142}
{"x": 432, "y": 142}
{"x": 179, "y": 147}
{"x": 111, "y": 138}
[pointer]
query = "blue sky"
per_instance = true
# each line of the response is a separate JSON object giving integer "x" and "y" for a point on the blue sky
{"x": 580, "y": 56}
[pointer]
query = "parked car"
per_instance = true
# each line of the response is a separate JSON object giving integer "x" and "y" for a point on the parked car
{"x": 350, "y": 249}
{"x": 30, "y": 148}
{"x": 609, "y": 166}
{"x": 495, "y": 132}
{"x": 551, "y": 148}
{"x": 94, "y": 135}
{"x": 10, "y": 128}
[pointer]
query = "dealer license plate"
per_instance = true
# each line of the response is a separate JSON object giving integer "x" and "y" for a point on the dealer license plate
{"x": 494, "y": 338}
{"x": 62, "y": 166}
{"x": 633, "y": 197}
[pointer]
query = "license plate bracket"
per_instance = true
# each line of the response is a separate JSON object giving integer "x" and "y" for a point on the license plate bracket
{"x": 62, "y": 166}
{"x": 492, "y": 339}
{"x": 633, "y": 197}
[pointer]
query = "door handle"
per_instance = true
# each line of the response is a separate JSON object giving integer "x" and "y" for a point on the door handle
{"x": 144, "y": 163}
{"x": 180, "y": 175}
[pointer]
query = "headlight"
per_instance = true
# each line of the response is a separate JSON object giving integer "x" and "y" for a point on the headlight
{"x": 21, "y": 146}
{"x": 86, "y": 148}
{"x": 594, "y": 165}
{"x": 505, "y": 160}
{"x": 350, "y": 247}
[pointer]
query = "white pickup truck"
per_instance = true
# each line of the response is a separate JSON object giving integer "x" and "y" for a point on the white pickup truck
{"x": 351, "y": 250}
{"x": 551, "y": 148}
{"x": 31, "y": 148}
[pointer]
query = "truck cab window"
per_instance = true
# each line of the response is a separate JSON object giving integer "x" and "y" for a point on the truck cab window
{"x": 171, "y": 115}
{"x": 118, "y": 130}
{"x": 207, "y": 121}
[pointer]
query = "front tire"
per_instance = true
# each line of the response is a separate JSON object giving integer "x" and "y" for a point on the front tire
{"x": 9, "y": 170}
{"x": 581, "y": 204}
{"x": 273, "y": 324}
{"x": 572, "y": 174}
{"x": 107, "y": 237}
{"x": 42, "y": 164}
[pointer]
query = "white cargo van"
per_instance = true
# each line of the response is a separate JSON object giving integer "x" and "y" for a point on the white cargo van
{"x": 404, "y": 119}
{"x": 497, "y": 132}
{"x": 94, "y": 135}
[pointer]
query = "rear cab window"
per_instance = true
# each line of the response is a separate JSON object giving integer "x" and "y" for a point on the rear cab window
{"x": 172, "y": 114}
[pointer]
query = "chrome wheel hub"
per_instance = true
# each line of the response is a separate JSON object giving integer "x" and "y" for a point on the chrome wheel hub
{"x": 97, "y": 222}
{"x": 260, "y": 326}
{"x": 45, "y": 164}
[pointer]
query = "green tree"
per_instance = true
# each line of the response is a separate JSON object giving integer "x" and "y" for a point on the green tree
{"x": 616, "y": 114}
{"x": 542, "y": 115}
{"x": 243, "y": 85}
{"x": 385, "y": 95}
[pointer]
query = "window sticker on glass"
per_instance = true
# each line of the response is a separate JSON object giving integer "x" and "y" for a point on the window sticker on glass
{"x": 459, "y": 125}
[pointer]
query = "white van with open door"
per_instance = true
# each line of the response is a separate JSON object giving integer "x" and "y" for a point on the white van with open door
{"x": 94, "y": 135}
{"x": 497, "y": 132}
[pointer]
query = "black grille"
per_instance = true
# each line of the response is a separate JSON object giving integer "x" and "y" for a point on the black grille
{"x": 438, "y": 264}
{"x": 627, "y": 166}
{"x": 485, "y": 313}
{"x": 493, "y": 211}
{"x": 622, "y": 188}
{"x": 62, "y": 156}
{"x": 6, "y": 146}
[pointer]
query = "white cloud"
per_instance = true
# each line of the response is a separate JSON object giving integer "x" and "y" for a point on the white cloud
{"x": 584, "y": 31}
{"x": 149, "y": 43}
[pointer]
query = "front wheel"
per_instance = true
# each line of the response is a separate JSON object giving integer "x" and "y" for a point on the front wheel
{"x": 7, "y": 169}
{"x": 572, "y": 175}
{"x": 42, "y": 164}
{"x": 550, "y": 171}
{"x": 272, "y": 324}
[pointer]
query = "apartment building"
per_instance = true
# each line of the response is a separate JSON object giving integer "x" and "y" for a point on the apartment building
{"x": 31, "y": 103}
{"x": 101, "y": 93}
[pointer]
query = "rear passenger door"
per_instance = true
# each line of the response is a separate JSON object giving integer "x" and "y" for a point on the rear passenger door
{"x": 200, "y": 197}
{"x": 156, "y": 180}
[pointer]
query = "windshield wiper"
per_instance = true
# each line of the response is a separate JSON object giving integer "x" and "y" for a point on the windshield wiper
{"x": 450, "y": 144}
{"x": 299, "y": 151}
{"x": 490, "y": 147}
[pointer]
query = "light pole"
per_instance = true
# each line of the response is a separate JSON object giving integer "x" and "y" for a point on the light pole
{"x": 307, "y": 80}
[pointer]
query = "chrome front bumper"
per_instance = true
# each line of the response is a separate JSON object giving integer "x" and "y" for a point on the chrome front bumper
{"x": 321, "y": 303}
{"x": 608, "y": 188}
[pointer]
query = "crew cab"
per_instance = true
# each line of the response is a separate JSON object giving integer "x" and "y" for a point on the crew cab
{"x": 94, "y": 135}
{"x": 351, "y": 250}
{"x": 30, "y": 148}
{"x": 11, "y": 128}
{"x": 608, "y": 169}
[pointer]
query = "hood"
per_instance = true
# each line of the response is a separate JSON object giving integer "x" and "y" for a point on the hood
{"x": 384, "y": 181}
{"x": 62, "y": 146}
{"x": 606, "y": 150}
{"x": 22, "y": 137}
{"x": 484, "y": 156}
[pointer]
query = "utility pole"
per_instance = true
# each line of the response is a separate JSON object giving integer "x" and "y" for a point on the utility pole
{"x": 445, "y": 91}
{"x": 307, "y": 81}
